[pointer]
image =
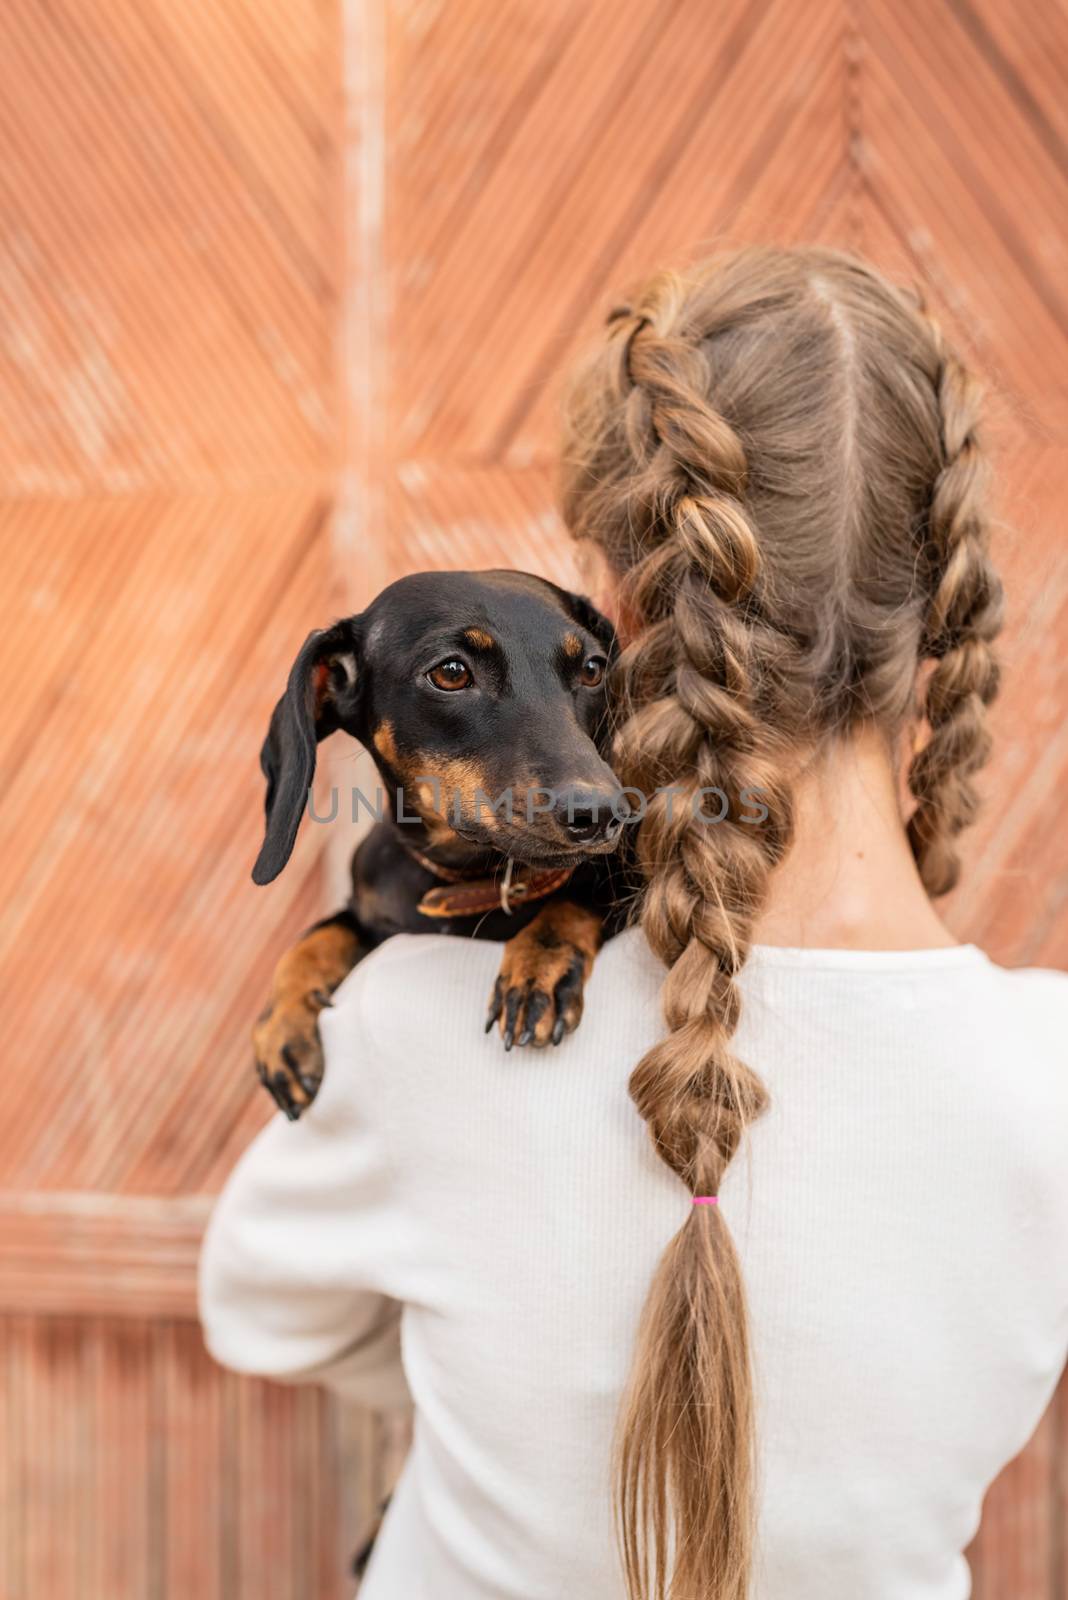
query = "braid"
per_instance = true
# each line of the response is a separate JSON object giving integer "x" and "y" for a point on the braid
{"x": 691, "y": 676}
{"x": 963, "y": 620}
{"x": 778, "y": 456}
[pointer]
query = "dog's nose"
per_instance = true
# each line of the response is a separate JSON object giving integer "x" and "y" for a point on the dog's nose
{"x": 591, "y": 816}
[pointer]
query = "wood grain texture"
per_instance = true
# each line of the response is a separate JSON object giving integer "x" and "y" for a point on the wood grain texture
{"x": 86, "y": 1254}
{"x": 134, "y": 1466}
{"x": 167, "y": 457}
{"x": 223, "y": 423}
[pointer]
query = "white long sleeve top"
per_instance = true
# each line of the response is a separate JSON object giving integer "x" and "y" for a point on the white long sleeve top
{"x": 474, "y": 1232}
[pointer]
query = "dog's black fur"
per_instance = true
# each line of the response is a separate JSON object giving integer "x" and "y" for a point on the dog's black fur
{"x": 463, "y": 686}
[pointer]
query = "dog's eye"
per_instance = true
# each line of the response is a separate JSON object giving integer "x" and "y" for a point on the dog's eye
{"x": 451, "y": 674}
{"x": 592, "y": 671}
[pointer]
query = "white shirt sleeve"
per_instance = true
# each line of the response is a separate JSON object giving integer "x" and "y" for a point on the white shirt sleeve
{"x": 304, "y": 1242}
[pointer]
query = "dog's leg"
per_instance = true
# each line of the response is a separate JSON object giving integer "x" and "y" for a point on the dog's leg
{"x": 289, "y": 1057}
{"x": 538, "y": 997}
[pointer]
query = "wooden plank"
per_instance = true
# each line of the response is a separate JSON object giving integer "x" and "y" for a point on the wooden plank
{"x": 132, "y": 1468}
{"x": 191, "y": 1423}
{"x": 95, "y": 1254}
{"x": 1014, "y": 1551}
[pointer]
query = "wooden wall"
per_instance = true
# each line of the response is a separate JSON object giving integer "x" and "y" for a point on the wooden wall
{"x": 284, "y": 291}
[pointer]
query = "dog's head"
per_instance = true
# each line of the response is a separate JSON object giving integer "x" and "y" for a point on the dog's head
{"x": 481, "y": 696}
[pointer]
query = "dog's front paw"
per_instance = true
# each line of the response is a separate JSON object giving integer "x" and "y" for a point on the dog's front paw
{"x": 538, "y": 997}
{"x": 289, "y": 1054}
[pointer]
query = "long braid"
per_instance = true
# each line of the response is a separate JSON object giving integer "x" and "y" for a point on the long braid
{"x": 685, "y": 1440}
{"x": 778, "y": 457}
{"x": 964, "y": 618}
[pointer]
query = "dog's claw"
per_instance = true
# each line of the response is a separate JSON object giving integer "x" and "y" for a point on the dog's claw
{"x": 288, "y": 1054}
{"x": 496, "y": 1002}
{"x": 537, "y": 998}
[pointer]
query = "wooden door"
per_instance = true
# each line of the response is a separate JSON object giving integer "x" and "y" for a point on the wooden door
{"x": 284, "y": 298}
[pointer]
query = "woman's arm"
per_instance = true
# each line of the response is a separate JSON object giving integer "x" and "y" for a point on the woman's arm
{"x": 305, "y": 1242}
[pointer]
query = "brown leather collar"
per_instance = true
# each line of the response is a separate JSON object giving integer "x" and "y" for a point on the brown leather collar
{"x": 470, "y": 897}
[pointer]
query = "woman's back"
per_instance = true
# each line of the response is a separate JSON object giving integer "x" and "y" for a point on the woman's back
{"x": 775, "y": 462}
{"x": 900, "y": 1213}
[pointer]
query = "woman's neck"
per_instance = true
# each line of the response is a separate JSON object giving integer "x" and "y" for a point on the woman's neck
{"x": 849, "y": 880}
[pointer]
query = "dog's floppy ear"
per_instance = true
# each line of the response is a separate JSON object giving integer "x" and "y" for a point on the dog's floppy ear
{"x": 320, "y": 697}
{"x": 587, "y": 616}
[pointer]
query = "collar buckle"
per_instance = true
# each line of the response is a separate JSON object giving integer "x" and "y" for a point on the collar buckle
{"x": 511, "y": 890}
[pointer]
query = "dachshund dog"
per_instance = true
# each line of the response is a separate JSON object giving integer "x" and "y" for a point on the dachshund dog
{"x": 482, "y": 700}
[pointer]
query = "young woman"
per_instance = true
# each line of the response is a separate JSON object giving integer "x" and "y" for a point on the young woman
{"x": 786, "y": 1343}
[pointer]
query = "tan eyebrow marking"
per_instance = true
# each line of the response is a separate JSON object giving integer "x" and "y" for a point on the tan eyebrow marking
{"x": 479, "y": 639}
{"x": 573, "y": 646}
{"x": 385, "y": 743}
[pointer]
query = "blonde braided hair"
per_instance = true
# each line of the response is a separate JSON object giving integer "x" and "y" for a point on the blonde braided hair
{"x": 777, "y": 453}
{"x": 964, "y": 619}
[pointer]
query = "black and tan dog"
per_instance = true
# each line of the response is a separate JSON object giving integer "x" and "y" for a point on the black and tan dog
{"x": 482, "y": 699}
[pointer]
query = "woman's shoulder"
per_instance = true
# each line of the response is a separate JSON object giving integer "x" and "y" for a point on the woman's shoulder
{"x": 420, "y": 990}
{"x": 421, "y": 1000}
{"x": 405, "y": 953}
{"x": 1036, "y": 998}
{"x": 1046, "y": 984}
{"x": 410, "y": 974}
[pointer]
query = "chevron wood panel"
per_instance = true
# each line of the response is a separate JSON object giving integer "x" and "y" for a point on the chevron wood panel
{"x": 703, "y": 97}
{"x": 172, "y": 293}
{"x": 167, "y": 445}
{"x": 983, "y": 148}
{"x": 135, "y": 806}
{"x": 167, "y": 260}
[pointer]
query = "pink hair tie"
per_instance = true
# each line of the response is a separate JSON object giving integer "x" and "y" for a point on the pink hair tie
{"x": 705, "y": 1199}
